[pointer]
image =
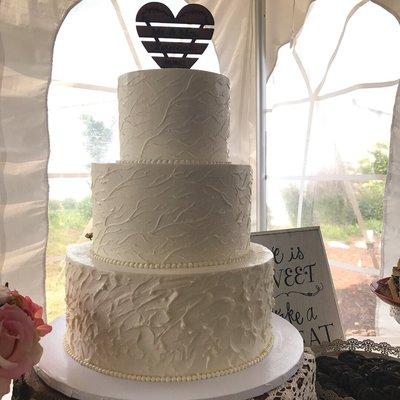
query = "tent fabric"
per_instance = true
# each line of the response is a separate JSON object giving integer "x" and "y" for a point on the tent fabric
{"x": 391, "y": 219}
{"x": 393, "y": 6}
{"x": 284, "y": 20}
{"x": 28, "y": 31}
{"x": 386, "y": 327}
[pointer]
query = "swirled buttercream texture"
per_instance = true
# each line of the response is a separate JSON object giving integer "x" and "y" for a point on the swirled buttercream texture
{"x": 168, "y": 323}
{"x": 173, "y": 114}
{"x": 170, "y": 214}
{"x": 170, "y": 288}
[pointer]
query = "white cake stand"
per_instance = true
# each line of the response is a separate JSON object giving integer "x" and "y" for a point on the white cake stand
{"x": 65, "y": 375}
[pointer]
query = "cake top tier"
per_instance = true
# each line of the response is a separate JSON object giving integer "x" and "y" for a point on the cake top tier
{"x": 173, "y": 116}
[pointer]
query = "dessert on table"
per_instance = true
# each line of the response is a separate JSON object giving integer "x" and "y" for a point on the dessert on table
{"x": 394, "y": 283}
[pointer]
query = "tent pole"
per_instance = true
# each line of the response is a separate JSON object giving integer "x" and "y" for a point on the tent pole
{"x": 261, "y": 81}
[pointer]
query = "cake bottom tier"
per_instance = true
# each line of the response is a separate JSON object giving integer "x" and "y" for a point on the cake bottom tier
{"x": 168, "y": 325}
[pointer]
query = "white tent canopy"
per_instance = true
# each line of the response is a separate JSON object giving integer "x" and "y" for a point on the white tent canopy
{"x": 28, "y": 32}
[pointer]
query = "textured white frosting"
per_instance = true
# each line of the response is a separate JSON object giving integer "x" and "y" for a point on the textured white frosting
{"x": 171, "y": 288}
{"x": 168, "y": 323}
{"x": 171, "y": 214}
{"x": 173, "y": 114}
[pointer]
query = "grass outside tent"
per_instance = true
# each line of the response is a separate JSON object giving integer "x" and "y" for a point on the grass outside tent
{"x": 67, "y": 221}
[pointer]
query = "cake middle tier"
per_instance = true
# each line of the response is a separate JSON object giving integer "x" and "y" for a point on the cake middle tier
{"x": 152, "y": 215}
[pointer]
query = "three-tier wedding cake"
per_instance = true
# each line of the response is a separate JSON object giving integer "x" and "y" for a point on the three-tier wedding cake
{"x": 171, "y": 289}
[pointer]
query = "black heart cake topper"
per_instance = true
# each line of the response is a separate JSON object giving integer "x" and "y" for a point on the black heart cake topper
{"x": 159, "y": 14}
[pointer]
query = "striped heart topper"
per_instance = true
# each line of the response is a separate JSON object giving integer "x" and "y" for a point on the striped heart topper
{"x": 173, "y": 41}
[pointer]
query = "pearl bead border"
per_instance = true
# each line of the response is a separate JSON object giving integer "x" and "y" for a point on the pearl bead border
{"x": 178, "y": 162}
{"x": 134, "y": 264}
{"x": 180, "y": 378}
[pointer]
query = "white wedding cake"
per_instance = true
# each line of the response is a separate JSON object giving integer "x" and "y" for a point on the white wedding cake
{"x": 171, "y": 289}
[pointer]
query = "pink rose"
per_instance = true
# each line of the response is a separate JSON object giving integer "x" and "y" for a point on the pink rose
{"x": 19, "y": 345}
{"x": 34, "y": 311}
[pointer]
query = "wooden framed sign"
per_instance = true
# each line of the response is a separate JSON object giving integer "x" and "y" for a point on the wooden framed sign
{"x": 304, "y": 292}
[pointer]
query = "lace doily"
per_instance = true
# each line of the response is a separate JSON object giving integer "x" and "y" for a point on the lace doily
{"x": 300, "y": 387}
{"x": 368, "y": 346}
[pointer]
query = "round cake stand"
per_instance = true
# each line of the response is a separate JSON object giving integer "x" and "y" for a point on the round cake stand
{"x": 62, "y": 373}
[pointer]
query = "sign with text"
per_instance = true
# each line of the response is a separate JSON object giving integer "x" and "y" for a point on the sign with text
{"x": 304, "y": 292}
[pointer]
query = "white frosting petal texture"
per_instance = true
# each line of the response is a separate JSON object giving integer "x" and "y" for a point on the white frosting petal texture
{"x": 168, "y": 323}
{"x": 149, "y": 213}
{"x": 173, "y": 114}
